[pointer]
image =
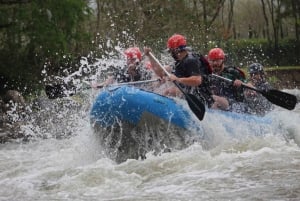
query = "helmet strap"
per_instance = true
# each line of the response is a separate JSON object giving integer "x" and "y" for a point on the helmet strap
{"x": 174, "y": 55}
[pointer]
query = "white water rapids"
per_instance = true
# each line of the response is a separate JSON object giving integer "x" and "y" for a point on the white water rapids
{"x": 74, "y": 167}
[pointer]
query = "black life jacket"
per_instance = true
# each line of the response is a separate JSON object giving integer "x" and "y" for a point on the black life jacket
{"x": 203, "y": 91}
{"x": 206, "y": 68}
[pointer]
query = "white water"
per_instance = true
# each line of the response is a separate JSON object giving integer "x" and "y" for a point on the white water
{"x": 238, "y": 166}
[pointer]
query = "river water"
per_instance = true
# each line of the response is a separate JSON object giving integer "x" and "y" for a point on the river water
{"x": 238, "y": 167}
{"x": 63, "y": 160}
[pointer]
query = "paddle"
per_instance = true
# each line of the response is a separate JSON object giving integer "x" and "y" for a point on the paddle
{"x": 194, "y": 103}
{"x": 282, "y": 99}
{"x": 61, "y": 90}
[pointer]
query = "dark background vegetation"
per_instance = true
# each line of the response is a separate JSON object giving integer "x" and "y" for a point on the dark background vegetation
{"x": 38, "y": 36}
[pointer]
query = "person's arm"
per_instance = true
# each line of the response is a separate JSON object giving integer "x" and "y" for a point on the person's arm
{"x": 155, "y": 66}
{"x": 249, "y": 92}
{"x": 193, "y": 75}
{"x": 194, "y": 80}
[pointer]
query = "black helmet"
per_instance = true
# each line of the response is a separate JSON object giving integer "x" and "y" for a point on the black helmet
{"x": 256, "y": 68}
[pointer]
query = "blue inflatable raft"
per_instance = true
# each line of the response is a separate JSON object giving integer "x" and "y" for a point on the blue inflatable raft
{"x": 132, "y": 122}
{"x": 128, "y": 104}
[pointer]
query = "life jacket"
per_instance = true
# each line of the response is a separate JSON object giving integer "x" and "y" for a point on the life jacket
{"x": 203, "y": 91}
{"x": 233, "y": 73}
{"x": 204, "y": 63}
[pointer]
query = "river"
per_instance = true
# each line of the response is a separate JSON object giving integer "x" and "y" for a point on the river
{"x": 66, "y": 162}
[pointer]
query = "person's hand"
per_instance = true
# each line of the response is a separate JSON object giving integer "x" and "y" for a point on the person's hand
{"x": 147, "y": 50}
{"x": 237, "y": 83}
{"x": 173, "y": 77}
{"x": 250, "y": 93}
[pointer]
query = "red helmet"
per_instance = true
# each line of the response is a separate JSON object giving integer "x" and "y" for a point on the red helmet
{"x": 133, "y": 52}
{"x": 176, "y": 41}
{"x": 216, "y": 53}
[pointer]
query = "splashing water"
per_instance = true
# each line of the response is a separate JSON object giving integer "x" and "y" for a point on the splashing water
{"x": 63, "y": 160}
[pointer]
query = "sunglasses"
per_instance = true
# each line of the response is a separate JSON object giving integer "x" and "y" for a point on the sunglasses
{"x": 174, "y": 50}
{"x": 177, "y": 50}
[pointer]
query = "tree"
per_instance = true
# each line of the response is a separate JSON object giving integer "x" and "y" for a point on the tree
{"x": 38, "y": 31}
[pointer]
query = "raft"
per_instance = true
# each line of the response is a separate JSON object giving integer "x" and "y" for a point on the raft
{"x": 128, "y": 104}
{"x": 133, "y": 121}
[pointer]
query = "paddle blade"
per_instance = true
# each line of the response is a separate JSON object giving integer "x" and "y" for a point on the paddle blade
{"x": 195, "y": 105}
{"x": 281, "y": 98}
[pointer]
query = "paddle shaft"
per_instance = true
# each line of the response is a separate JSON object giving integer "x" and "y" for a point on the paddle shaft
{"x": 130, "y": 83}
{"x": 280, "y": 98}
{"x": 167, "y": 73}
{"x": 194, "y": 103}
{"x": 231, "y": 81}
{"x": 58, "y": 91}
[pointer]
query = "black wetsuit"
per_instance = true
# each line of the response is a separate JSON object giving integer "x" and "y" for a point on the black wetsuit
{"x": 192, "y": 66}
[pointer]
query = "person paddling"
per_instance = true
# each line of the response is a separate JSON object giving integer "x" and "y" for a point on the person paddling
{"x": 228, "y": 95}
{"x": 187, "y": 71}
{"x": 133, "y": 71}
{"x": 256, "y": 102}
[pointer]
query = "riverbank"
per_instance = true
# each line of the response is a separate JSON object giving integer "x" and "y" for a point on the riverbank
{"x": 284, "y": 78}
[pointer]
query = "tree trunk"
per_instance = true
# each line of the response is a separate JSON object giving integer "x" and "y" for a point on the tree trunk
{"x": 267, "y": 33}
{"x": 296, "y": 12}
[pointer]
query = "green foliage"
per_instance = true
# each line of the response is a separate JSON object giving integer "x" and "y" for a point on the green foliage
{"x": 150, "y": 23}
{"x": 244, "y": 52}
{"x": 289, "y": 52}
{"x": 53, "y": 34}
{"x": 39, "y": 32}
{"x": 272, "y": 79}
